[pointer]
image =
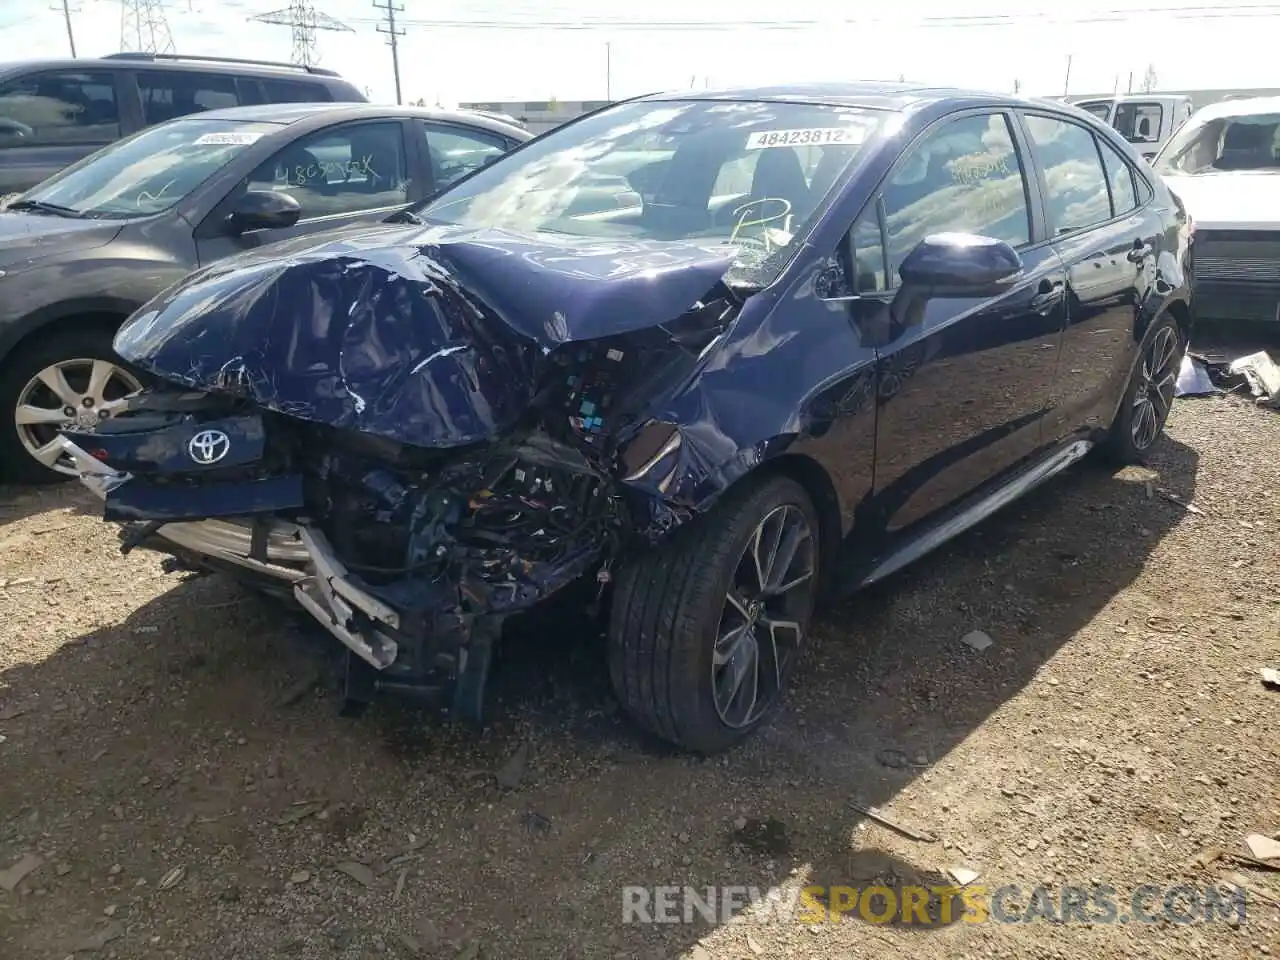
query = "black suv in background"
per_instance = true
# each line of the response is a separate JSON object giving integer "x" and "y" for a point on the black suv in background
{"x": 53, "y": 112}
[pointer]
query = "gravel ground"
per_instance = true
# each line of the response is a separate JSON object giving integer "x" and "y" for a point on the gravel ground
{"x": 170, "y": 749}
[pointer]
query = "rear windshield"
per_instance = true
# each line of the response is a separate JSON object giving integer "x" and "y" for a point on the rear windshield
{"x": 150, "y": 171}
{"x": 1222, "y": 145}
{"x": 1139, "y": 122}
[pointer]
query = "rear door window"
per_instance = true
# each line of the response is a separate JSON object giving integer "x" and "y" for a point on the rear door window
{"x": 1075, "y": 181}
{"x": 168, "y": 95}
{"x": 59, "y": 108}
{"x": 456, "y": 151}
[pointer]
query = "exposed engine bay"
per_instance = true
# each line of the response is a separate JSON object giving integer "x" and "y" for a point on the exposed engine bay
{"x": 411, "y": 555}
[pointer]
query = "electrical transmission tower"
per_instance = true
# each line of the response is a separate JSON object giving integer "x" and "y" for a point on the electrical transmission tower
{"x": 393, "y": 35}
{"x": 301, "y": 17}
{"x": 143, "y": 27}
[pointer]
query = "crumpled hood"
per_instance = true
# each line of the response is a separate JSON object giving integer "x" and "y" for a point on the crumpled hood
{"x": 429, "y": 336}
{"x": 1243, "y": 201}
{"x": 27, "y": 238}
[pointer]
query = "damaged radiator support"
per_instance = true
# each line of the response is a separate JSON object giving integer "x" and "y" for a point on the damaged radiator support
{"x": 412, "y": 559}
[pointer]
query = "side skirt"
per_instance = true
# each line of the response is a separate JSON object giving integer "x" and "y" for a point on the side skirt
{"x": 970, "y": 513}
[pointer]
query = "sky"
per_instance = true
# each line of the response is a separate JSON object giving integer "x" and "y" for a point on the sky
{"x": 482, "y": 50}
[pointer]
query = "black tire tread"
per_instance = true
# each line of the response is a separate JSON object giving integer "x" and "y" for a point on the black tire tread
{"x": 660, "y": 608}
{"x": 1118, "y": 446}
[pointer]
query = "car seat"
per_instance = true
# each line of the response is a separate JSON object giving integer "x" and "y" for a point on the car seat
{"x": 779, "y": 176}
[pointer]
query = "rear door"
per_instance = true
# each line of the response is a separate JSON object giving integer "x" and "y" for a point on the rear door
{"x": 1098, "y": 207}
{"x": 963, "y": 393}
{"x": 49, "y": 119}
{"x": 342, "y": 175}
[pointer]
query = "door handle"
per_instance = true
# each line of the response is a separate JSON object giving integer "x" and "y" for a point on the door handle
{"x": 1139, "y": 253}
{"x": 1048, "y": 295}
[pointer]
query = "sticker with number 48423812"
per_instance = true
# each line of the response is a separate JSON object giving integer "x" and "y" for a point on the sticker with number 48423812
{"x": 813, "y": 136}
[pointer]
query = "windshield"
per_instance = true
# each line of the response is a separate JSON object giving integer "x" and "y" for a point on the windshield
{"x": 753, "y": 175}
{"x": 1223, "y": 144}
{"x": 1099, "y": 108}
{"x": 149, "y": 172}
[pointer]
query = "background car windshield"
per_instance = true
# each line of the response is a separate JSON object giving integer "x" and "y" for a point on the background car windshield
{"x": 1223, "y": 145}
{"x": 751, "y": 174}
{"x": 150, "y": 172}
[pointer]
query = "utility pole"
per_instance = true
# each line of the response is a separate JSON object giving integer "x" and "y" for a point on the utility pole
{"x": 1066, "y": 84}
{"x": 393, "y": 34}
{"x": 66, "y": 15}
{"x": 303, "y": 21}
{"x": 608, "y": 71}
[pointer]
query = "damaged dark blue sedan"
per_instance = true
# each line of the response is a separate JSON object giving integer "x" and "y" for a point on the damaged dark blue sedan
{"x": 713, "y": 352}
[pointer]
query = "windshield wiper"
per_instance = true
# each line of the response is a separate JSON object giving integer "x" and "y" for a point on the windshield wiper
{"x": 43, "y": 207}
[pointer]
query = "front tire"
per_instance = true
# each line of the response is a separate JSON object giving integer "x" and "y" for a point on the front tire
{"x": 706, "y": 628}
{"x": 70, "y": 378}
{"x": 1149, "y": 396}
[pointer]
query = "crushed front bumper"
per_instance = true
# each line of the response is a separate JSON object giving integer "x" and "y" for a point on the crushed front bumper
{"x": 297, "y": 556}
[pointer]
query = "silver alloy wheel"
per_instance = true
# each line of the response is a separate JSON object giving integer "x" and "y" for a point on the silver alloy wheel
{"x": 1159, "y": 376}
{"x": 69, "y": 394}
{"x": 761, "y": 625}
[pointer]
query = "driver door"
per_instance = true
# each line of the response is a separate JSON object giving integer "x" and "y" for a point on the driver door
{"x": 341, "y": 176}
{"x": 963, "y": 394}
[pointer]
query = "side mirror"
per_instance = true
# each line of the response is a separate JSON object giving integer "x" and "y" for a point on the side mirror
{"x": 952, "y": 265}
{"x": 263, "y": 210}
{"x": 960, "y": 265}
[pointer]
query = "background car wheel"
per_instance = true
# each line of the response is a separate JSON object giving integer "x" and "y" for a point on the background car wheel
{"x": 70, "y": 378}
{"x": 1149, "y": 397}
{"x": 706, "y": 628}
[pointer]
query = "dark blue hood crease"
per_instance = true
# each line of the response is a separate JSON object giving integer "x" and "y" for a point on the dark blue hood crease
{"x": 428, "y": 336}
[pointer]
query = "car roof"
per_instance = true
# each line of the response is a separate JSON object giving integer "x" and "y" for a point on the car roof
{"x": 1244, "y": 107}
{"x": 241, "y": 68}
{"x": 871, "y": 94}
{"x": 287, "y": 113}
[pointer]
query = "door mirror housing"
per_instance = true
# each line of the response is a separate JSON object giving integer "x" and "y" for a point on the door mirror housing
{"x": 263, "y": 210}
{"x": 947, "y": 265}
{"x": 960, "y": 265}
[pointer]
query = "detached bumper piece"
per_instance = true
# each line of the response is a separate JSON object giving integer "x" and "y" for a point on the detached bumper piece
{"x": 420, "y": 651}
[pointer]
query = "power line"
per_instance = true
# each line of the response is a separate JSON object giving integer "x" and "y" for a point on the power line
{"x": 393, "y": 34}
{"x": 1245, "y": 11}
{"x": 303, "y": 21}
{"x": 144, "y": 28}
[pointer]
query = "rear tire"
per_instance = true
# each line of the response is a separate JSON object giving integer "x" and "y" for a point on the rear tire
{"x": 82, "y": 356}
{"x": 1148, "y": 398}
{"x": 690, "y": 628}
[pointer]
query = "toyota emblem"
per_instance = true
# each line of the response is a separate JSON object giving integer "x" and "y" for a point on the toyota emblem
{"x": 209, "y": 446}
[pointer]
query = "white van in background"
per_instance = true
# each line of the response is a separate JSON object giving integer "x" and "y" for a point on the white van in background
{"x": 1147, "y": 120}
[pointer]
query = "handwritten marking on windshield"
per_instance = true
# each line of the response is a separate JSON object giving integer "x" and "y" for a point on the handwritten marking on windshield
{"x": 145, "y": 196}
{"x": 743, "y": 223}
